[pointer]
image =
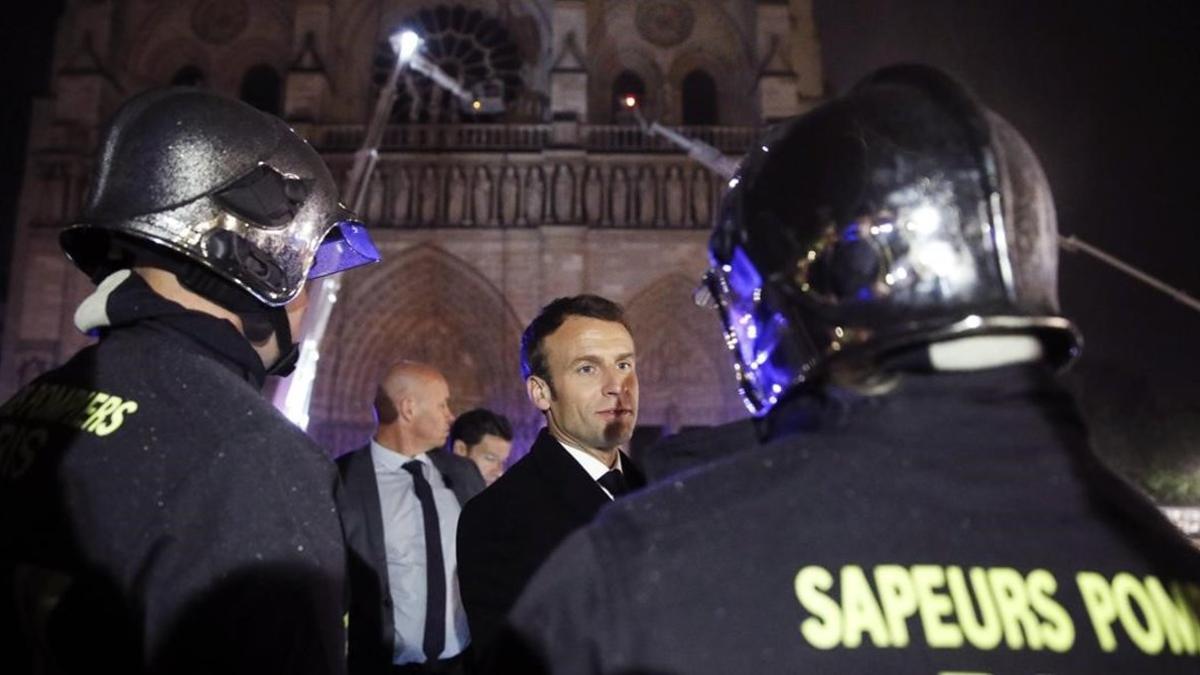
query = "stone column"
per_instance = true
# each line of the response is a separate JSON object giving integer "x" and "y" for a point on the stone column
{"x": 777, "y": 86}
{"x": 306, "y": 89}
{"x": 568, "y": 72}
{"x": 806, "y": 55}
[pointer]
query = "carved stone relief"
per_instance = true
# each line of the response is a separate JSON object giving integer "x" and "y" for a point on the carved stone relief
{"x": 593, "y": 196}
{"x": 503, "y": 194}
{"x": 564, "y": 194}
{"x": 456, "y": 197}
{"x": 483, "y": 196}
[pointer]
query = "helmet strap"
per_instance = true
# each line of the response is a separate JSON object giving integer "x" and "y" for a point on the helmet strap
{"x": 289, "y": 351}
{"x": 259, "y": 322}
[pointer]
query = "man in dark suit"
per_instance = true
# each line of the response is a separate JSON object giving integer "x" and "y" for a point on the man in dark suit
{"x": 578, "y": 360}
{"x": 400, "y": 507}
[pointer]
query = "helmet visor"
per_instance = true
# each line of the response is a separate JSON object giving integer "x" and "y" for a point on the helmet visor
{"x": 735, "y": 289}
{"x": 346, "y": 245}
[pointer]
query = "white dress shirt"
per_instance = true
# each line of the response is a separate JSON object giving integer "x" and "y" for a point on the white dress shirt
{"x": 404, "y": 540}
{"x": 594, "y": 467}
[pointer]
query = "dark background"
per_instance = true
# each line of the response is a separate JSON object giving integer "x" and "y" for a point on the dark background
{"x": 26, "y": 44}
{"x": 1106, "y": 93}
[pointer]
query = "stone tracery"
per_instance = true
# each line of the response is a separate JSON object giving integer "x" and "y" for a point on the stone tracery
{"x": 472, "y": 47}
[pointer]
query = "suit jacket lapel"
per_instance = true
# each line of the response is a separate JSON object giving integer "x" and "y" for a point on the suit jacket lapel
{"x": 360, "y": 472}
{"x": 459, "y": 474}
{"x": 372, "y": 512}
{"x": 633, "y": 473}
{"x": 564, "y": 477}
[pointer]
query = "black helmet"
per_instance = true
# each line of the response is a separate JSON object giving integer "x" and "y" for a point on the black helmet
{"x": 902, "y": 213}
{"x": 216, "y": 182}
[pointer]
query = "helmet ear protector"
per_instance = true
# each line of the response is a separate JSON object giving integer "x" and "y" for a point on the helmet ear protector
{"x": 272, "y": 200}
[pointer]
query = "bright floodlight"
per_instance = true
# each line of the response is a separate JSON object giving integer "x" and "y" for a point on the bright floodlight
{"x": 406, "y": 44}
{"x": 630, "y": 101}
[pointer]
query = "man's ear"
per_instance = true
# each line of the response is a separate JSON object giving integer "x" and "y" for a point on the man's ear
{"x": 407, "y": 408}
{"x": 539, "y": 392}
{"x": 459, "y": 447}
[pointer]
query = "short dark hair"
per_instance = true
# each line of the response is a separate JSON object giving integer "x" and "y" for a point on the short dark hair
{"x": 471, "y": 426}
{"x": 385, "y": 408}
{"x": 533, "y": 356}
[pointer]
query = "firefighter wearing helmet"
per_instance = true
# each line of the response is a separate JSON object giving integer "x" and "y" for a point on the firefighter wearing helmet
{"x": 923, "y": 498}
{"x": 160, "y": 515}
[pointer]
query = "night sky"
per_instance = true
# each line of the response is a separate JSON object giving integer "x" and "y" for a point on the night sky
{"x": 1106, "y": 93}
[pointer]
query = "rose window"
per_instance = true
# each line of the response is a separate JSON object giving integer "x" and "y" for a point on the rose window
{"x": 469, "y": 46}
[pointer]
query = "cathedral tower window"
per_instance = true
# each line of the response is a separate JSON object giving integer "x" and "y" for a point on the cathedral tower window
{"x": 627, "y": 83}
{"x": 699, "y": 99}
{"x": 262, "y": 88}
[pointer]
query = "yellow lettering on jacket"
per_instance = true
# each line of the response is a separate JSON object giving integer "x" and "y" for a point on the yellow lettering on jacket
{"x": 985, "y": 608}
{"x": 94, "y": 412}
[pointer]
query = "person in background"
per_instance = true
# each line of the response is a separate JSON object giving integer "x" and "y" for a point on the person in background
{"x": 400, "y": 508}
{"x": 484, "y": 437}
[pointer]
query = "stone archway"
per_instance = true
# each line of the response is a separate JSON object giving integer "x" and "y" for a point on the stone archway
{"x": 684, "y": 371}
{"x": 426, "y": 305}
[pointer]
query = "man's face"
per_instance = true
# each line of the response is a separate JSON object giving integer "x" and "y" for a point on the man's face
{"x": 593, "y": 400}
{"x": 431, "y": 418}
{"x": 490, "y": 454}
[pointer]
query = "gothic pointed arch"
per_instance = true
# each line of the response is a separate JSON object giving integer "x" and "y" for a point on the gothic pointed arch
{"x": 684, "y": 371}
{"x": 616, "y": 71}
{"x": 427, "y": 305}
{"x": 698, "y": 99}
{"x": 262, "y": 87}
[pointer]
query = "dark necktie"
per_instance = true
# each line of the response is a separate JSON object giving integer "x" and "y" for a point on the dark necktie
{"x": 435, "y": 566}
{"x": 614, "y": 482}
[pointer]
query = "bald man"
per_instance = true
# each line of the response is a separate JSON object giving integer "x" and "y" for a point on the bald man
{"x": 400, "y": 506}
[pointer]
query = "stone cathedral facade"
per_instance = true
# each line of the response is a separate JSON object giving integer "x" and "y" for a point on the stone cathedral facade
{"x": 482, "y": 217}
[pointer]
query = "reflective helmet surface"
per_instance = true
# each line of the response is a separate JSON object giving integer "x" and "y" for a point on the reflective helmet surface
{"x": 900, "y": 214}
{"x": 221, "y": 184}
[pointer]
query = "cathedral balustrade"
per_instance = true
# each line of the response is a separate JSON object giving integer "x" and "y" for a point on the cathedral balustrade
{"x": 531, "y": 189}
{"x": 429, "y": 137}
{"x": 629, "y": 138}
{"x": 523, "y": 137}
{"x": 507, "y": 180}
